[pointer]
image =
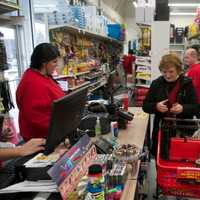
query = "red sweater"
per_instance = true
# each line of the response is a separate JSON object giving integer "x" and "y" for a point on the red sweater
{"x": 194, "y": 73}
{"x": 34, "y": 96}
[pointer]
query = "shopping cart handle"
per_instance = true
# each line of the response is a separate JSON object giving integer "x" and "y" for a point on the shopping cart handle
{"x": 179, "y": 119}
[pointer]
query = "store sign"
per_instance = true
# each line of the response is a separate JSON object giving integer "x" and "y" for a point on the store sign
{"x": 73, "y": 165}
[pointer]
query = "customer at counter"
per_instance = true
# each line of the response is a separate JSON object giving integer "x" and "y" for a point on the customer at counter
{"x": 36, "y": 92}
{"x": 172, "y": 95}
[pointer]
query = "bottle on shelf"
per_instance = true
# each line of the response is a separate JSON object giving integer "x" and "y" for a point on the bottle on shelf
{"x": 97, "y": 127}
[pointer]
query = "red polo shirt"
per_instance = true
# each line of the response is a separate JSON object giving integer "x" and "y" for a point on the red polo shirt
{"x": 34, "y": 96}
{"x": 194, "y": 73}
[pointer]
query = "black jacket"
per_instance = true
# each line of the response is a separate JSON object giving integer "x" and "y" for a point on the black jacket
{"x": 159, "y": 91}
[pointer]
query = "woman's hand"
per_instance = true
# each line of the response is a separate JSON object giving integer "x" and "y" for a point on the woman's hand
{"x": 161, "y": 106}
{"x": 176, "y": 108}
{"x": 32, "y": 146}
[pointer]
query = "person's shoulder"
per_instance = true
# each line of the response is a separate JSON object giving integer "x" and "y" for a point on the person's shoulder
{"x": 31, "y": 78}
{"x": 28, "y": 73}
{"x": 158, "y": 80}
{"x": 186, "y": 80}
{"x": 195, "y": 68}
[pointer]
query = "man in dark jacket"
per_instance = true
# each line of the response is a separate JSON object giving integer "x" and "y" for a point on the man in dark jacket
{"x": 172, "y": 95}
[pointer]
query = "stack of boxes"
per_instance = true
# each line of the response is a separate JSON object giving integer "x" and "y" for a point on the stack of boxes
{"x": 143, "y": 79}
{"x": 3, "y": 60}
{"x": 85, "y": 17}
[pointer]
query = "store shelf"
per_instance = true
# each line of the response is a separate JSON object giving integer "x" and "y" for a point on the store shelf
{"x": 143, "y": 85}
{"x": 176, "y": 44}
{"x": 79, "y": 86}
{"x": 11, "y": 20}
{"x": 84, "y": 32}
{"x": 144, "y": 24}
{"x": 101, "y": 84}
{"x": 70, "y": 76}
{"x": 6, "y": 7}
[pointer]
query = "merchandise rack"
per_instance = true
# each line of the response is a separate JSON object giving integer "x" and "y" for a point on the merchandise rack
{"x": 84, "y": 32}
{"x": 6, "y": 7}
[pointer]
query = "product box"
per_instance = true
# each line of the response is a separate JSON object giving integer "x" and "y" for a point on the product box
{"x": 73, "y": 165}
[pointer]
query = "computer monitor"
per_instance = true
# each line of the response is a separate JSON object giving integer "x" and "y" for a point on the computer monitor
{"x": 65, "y": 118}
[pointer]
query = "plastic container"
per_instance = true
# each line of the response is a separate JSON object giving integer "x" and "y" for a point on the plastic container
{"x": 98, "y": 127}
{"x": 114, "y": 129}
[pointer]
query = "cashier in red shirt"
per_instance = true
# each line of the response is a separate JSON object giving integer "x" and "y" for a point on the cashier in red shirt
{"x": 36, "y": 92}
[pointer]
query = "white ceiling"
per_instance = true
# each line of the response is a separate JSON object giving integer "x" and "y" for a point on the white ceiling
{"x": 118, "y": 5}
{"x": 184, "y": 9}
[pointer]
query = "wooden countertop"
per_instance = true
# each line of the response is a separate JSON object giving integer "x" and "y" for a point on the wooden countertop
{"x": 136, "y": 129}
{"x": 134, "y": 134}
{"x": 129, "y": 190}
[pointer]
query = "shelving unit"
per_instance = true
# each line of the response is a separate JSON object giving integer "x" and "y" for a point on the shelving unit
{"x": 177, "y": 48}
{"x": 84, "y": 32}
{"x": 143, "y": 79}
{"x": 6, "y": 7}
{"x": 79, "y": 86}
{"x": 80, "y": 47}
{"x": 143, "y": 72}
{"x": 100, "y": 84}
{"x": 70, "y": 76}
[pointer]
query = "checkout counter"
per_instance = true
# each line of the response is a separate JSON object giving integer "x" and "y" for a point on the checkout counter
{"x": 135, "y": 133}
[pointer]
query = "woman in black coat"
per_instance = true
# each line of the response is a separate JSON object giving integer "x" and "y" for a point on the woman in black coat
{"x": 170, "y": 95}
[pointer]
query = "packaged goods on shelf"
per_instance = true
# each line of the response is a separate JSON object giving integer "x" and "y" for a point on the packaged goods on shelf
{"x": 172, "y": 33}
{"x": 143, "y": 75}
{"x": 116, "y": 31}
{"x": 179, "y": 38}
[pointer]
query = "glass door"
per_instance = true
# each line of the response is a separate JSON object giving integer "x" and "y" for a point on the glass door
{"x": 12, "y": 73}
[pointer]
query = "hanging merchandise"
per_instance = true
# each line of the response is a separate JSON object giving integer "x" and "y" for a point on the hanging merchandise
{"x": 5, "y": 95}
{"x": 193, "y": 30}
{"x": 3, "y": 60}
{"x": 172, "y": 33}
{"x": 1, "y": 105}
{"x": 179, "y": 35}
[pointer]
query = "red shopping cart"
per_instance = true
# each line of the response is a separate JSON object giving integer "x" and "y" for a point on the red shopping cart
{"x": 178, "y": 172}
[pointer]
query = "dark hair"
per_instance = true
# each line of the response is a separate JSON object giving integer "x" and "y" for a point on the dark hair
{"x": 130, "y": 51}
{"x": 43, "y": 53}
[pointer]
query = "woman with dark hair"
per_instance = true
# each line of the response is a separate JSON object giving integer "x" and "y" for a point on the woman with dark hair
{"x": 172, "y": 94}
{"x": 36, "y": 92}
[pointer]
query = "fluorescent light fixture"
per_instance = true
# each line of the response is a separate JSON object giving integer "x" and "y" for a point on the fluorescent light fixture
{"x": 135, "y": 4}
{"x": 184, "y": 4}
{"x": 183, "y": 13}
{"x": 45, "y": 6}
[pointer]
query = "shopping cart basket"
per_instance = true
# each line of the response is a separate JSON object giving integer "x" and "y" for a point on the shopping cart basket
{"x": 177, "y": 172}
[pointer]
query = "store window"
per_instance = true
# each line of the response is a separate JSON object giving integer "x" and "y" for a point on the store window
{"x": 9, "y": 39}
